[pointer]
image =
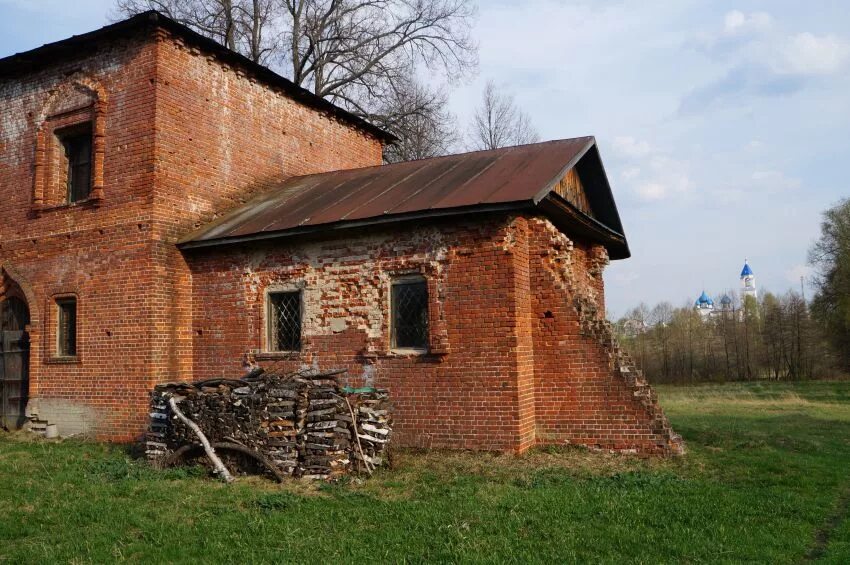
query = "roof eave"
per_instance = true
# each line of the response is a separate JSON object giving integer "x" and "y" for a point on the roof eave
{"x": 545, "y": 191}
{"x": 571, "y": 220}
{"x": 353, "y": 224}
{"x": 563, "y": 214}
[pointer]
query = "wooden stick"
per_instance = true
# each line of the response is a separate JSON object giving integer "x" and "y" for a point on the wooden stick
{"x": 356, "y": 433}
{"x": 219, "y": 467}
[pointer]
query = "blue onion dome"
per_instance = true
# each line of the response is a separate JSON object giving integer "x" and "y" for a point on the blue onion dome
{"x": 704, "y": 300}
{"x": 746, "y": 272}
{"x": 726, "y": 301}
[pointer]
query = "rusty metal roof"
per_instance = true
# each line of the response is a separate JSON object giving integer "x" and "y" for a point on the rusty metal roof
{"x": 512, "y": 178}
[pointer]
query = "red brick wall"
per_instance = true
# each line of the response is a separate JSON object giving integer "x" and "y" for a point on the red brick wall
{"x": 96, "y": 252}
{"x": 182, "y": 136}
{"x": 519, "y": 349}
{"x": 464, "y": 396}
{"x": 514, "y": 366}
{"x": 222, "y": 137}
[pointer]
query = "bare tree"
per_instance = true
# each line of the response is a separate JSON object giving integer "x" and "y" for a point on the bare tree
{"x": 258, "y": 23}
{"x": 246, "y": 26}
{"x": 429, "y": 129}
{"x": 360, "y": 54}
{"x": 353, "y": 50}
{"x": 498, "y": 122}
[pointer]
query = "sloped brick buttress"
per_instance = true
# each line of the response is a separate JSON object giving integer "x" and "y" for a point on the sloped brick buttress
{"x": 588, "y": 391}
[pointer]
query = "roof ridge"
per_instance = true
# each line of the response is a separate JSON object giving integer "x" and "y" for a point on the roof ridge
{"x": 450, "y": 156}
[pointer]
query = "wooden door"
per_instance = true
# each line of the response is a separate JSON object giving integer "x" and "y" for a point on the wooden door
{"x": 14, "y": 363}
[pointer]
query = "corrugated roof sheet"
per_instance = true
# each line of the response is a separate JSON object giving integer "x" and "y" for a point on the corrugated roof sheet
{"x": 513, "y": 176}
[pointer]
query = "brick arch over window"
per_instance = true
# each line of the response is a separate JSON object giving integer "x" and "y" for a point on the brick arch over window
{"x": 79, "y": 95}
{"x": 12, "y": 283}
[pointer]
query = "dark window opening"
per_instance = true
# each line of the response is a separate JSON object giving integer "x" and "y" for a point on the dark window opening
{"x": 410, "y": 314}
{"x": 66, "y": 335}
{"x": 285, "y": 321}
{"x": 77, "y": 145}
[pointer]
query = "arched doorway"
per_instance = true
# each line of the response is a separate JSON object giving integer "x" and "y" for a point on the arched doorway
{"x": 14, "y": 362}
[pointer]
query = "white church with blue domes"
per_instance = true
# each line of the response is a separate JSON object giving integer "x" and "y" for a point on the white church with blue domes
{"x": 705, "y": 305}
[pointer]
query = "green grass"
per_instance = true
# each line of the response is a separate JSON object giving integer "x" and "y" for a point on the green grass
{"x": 766, "y": 479}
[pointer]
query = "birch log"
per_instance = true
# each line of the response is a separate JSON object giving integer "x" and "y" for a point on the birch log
{"x": 219, "y": 467}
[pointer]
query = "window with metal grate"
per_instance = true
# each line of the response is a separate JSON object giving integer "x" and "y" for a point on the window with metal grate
{"x": 410, "y": 313}
{"x": 285, "y": 321}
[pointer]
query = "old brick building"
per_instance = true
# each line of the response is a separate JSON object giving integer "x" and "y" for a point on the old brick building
{"x": 169, "y": 210}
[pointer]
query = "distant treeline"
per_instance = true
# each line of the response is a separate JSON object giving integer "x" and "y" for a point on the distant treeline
{"x": 775, "y": 337}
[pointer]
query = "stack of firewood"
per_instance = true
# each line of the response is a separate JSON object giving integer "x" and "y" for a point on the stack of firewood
{"x": 373, "y": 428}
{"x": 304, "y": 424}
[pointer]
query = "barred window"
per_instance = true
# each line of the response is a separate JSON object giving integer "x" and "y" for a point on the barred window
{"x": 284, "y": 321}
{"x": 66, "y": 331}
{"x": 410, "y": 313}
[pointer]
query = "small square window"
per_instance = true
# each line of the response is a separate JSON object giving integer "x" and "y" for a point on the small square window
{"x": 66, "y": 332}
{"x": 410, "y": 313}
{"x": 284, "y": 315}
{"x": 77, "y": 161}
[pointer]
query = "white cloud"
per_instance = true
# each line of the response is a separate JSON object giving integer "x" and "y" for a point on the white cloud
{"x": 650, "y": 173}
{"x": 809, "y": 54}
{"x": 652, "y": 191}
{"x": 630, "y": 147}
{"x": 762, "y": 60}
{"x": 737, "y": 22}
{"x": 672, "y": 174}
{"x": 630, "y": 174}
{"x": 663, "y": 185}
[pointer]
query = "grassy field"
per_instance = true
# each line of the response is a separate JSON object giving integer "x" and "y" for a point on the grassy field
{"x": 766, "y": 479}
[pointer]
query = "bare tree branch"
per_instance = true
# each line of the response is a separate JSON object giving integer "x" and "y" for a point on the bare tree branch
{"x": 418, "y": 116}
{"x": 499, "y": 123}
{"x": 359, "y": 54}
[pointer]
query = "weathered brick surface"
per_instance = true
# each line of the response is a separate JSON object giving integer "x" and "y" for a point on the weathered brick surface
{"x": 463, "y": 394}
{"x": 99, "y": 252}
{"x": 587, "y": 392}
{"x": 512, "y": 364}
{"x": 182, "y": 136}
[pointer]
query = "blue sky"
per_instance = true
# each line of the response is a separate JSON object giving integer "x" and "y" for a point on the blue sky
{"x": 723, "y": 125}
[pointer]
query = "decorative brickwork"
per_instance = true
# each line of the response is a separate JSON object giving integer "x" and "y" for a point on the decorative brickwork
{"x": 467, "y": 375}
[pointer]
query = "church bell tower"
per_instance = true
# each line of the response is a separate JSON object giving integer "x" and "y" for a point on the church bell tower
{"x": 748, "y": 281}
